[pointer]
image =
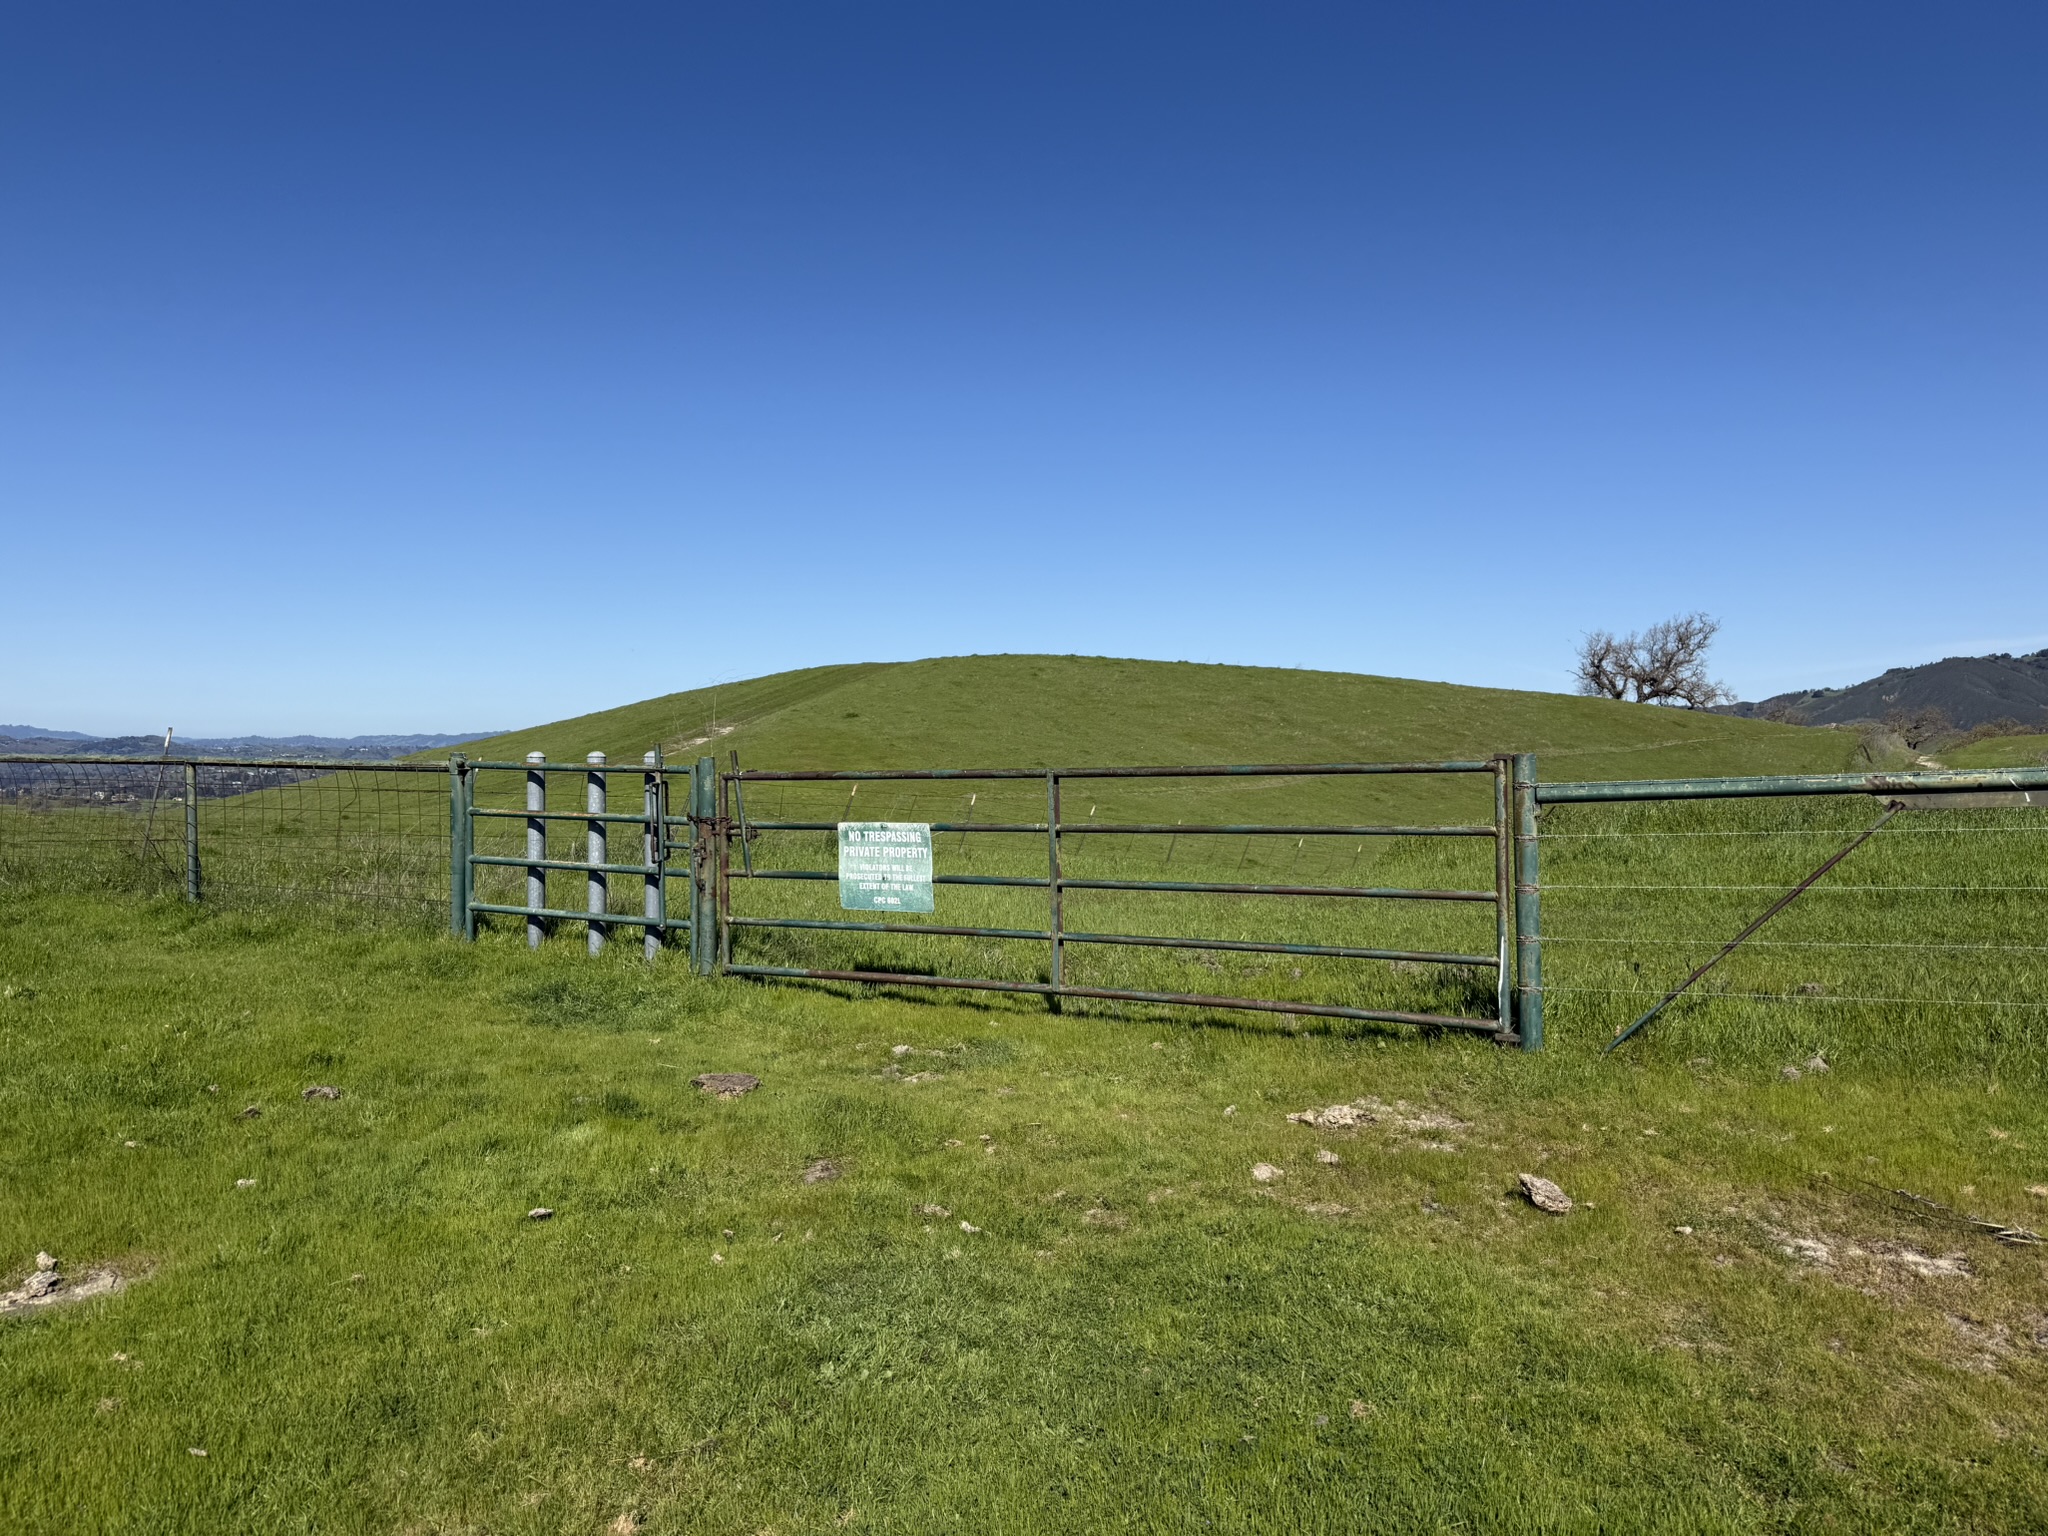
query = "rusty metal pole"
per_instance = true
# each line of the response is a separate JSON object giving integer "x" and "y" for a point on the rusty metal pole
{"x": 599, "y": 889}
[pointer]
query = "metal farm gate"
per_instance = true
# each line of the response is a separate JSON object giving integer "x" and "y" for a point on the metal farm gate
{"x": 1059, "y": 829}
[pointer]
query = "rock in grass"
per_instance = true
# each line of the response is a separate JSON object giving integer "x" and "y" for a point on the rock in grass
{"x": 1817, "y": 1062}
{"x": 1544, "y": 1195}
{"x": 726, "y": 1085}
{"x": 252, "y": 1112}
{"x": 1266, "y": 1173}
{"x": 48, "y": 1287}
{"x": 1336, "y": 1117}
{"x": 821, "y": 1171}
{"x": 44, "y": 1282}
{"x": 539, "y": 1213}
{"x": 321, "y": 1091}
{"x": 1790, "y": 1074}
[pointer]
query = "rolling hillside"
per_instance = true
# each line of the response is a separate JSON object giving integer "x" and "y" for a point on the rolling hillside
{"x": 1032, "y": 711}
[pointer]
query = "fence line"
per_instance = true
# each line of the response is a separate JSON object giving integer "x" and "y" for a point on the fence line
{"x": 1641, "y": 875}
{"x": 1919, "y": 951}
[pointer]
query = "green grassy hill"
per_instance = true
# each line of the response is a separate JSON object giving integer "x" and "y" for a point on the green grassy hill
{"x": 1032, "y": 711}
{"x": 1999, "y": 752}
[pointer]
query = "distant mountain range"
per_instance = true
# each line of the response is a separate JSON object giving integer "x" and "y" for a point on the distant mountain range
{"x": 1968, "y": 691}
{"x": 368, "y": 749}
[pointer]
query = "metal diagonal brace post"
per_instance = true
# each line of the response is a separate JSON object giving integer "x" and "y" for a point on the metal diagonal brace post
{"x": 1774, "y": 909}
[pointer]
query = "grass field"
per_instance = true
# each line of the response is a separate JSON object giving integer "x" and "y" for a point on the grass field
{"x": 1999, "y": 752}
{"x": 1140, "y": 1336}
{"x": 1742, "y": 1327}
{"x": 1076, "y": 711}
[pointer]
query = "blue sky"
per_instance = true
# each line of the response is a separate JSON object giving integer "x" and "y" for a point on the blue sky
{"x": 439, "y": 367}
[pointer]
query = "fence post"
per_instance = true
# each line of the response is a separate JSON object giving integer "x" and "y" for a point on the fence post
{"x": 703, "y": 867}
{"x": 599, "y": 887}
{"x": 191, "y": 831}
{"x": 468, "y": 851}
{"x": 721, "y": 901}
{"x": 1052, "y": 881}
{"x": 1528, "y": 911}
{"x": 650, "y": 857}
{"x": 459, "y": 833}
{"x": 536, "y": 847}
{"x": 1504, "y": 893}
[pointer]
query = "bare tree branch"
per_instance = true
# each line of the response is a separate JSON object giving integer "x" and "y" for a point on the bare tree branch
{"x": 1602, "y": 663}
{"x": 1665, "y": 664}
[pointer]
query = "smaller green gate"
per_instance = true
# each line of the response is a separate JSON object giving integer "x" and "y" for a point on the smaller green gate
{"x": 670, "y": 848}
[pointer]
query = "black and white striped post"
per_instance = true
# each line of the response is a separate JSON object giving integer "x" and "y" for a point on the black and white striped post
{"x": 536, "y": 848}
{"x": 599, "y": 890}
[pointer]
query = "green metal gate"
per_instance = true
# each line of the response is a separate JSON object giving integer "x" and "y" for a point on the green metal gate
{"x": 672, "y": 848}
{"x": 732, "y": 824}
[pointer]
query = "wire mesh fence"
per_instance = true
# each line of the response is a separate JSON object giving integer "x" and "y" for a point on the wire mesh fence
{"x": 1928, "y": 943}
{"x": 240, "y": 834}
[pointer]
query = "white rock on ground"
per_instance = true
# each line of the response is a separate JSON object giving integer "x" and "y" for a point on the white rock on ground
{"x": 1543, "y": 1194}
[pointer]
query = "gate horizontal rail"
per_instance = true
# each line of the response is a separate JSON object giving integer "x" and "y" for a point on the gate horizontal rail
{"x": 1156, "y": 941}
{"x": 1947, "y": 781}
{"x": 1249, "y": 771}
{"x": 1079, "y": 828}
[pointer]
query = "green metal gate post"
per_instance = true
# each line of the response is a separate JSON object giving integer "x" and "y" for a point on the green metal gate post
{"x": 1504, "y": 895}
{"x": 703, "y": 866}
{"x": 1528, "y": 911}
{"x": 461, "y": 835}
{"x": 191, "y": 831}
{"x": 1056, "y": 913}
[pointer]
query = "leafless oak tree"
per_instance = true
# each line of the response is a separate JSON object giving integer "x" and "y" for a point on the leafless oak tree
{"x": 1665, "y": 664}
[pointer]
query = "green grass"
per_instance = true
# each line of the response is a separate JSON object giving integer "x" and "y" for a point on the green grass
{"x": 1999, "y": 752}
{"x": 373, "y": 1338}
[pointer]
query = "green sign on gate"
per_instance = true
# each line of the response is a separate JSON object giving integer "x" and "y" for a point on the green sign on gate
{"x": 885, "y": 866}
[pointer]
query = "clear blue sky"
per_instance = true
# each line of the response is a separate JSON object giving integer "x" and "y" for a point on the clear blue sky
{"x": 434, "y": 367}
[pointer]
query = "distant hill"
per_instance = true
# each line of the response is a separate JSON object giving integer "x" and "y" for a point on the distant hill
{"x": 1968, "y": 690}
{"x": 378, "y": 749}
